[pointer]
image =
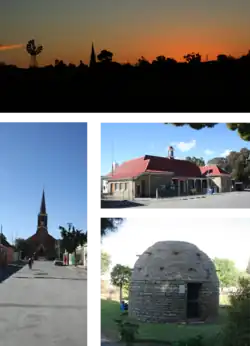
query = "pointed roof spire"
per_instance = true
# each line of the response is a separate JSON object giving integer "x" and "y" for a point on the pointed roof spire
{"x": 92, "y": 56}
{"x": 43, "y": 205}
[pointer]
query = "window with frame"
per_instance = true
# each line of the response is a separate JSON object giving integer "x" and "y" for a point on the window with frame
{"x": 117, "y": 186}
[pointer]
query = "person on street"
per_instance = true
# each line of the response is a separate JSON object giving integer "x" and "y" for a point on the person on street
{"x": 30, "y": 262}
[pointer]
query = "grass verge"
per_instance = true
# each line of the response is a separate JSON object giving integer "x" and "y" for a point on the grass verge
{"x": 159, "y": 332}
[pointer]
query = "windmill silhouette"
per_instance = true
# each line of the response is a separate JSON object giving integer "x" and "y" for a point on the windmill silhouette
{"x": 33, "y": 51}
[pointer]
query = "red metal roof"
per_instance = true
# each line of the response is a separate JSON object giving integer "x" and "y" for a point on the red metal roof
{"x": 154, "y": 164}
{"x": 213, "y": 170}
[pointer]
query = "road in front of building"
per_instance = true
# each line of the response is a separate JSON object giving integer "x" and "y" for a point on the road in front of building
{"x": 44, "y": 306}
{"x": 225, "y": 204}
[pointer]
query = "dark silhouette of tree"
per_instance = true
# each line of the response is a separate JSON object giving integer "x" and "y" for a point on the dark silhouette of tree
{"x": 143, "y": 62}
{"x": 109, "y": 225}
{"x": 192, "y": 58}
{"x": 105, "y": 56}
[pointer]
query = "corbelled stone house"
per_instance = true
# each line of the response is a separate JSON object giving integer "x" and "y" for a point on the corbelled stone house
{"x": 153, "y": 176}
{"x": 174, "y": 281}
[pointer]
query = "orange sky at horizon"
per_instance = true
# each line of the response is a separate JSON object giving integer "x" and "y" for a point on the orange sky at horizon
{"x": 129, "y": 30}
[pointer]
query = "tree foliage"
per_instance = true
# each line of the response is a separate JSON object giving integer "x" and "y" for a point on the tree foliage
{"x": 227, "y": 273}
{"x": 120, "y": 276}
{"x": 105, "y": 56}
{"x": 237, "y": 331}
{"x": 243, "y": 129}
{"x": 3, "y": 240}
{"x": 236, "y": 163}
{"x": 198, "y": 161}
{"x": 72, "y": 238}
{"x": 105, "y": 262}
{"x": 105, "y": 219}
{"x": 22, "y": 246}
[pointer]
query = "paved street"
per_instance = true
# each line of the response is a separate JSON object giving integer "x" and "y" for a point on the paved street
{"x": 44, "y": 306}
{"x": 234, "y": 204}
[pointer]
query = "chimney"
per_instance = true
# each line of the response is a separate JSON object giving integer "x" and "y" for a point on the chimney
{"x": 114, "y": 166}
{"x": 171, "y": 152}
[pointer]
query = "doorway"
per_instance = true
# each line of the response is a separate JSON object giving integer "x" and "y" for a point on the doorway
{"x": 143, "y": 188}
{"x": 193, "y": 300}
{"x": 138, "y": 190}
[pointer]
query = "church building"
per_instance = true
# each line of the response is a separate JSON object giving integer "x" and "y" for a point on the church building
{"x": 42, "y": 243}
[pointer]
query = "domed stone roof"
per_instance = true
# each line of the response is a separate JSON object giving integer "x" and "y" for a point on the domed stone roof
{"x": 174, "y": 260}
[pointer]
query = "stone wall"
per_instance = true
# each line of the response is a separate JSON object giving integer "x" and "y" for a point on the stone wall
{"x": 165, "y": 301}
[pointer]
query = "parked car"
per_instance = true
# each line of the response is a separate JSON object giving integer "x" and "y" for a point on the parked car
{"x": 58, "y": 263}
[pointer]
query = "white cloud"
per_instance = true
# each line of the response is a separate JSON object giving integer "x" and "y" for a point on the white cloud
{"x": 208, "y": 152}
{"x": 185, "y": 146}
{"x": 233, "y": 231}
{"x": 226, "y": 153}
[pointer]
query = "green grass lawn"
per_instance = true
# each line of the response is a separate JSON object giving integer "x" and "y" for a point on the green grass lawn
{"x": 163, "y": 332}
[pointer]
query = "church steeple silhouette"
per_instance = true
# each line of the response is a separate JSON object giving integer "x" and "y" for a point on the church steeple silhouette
{"x": 92, "y": 61}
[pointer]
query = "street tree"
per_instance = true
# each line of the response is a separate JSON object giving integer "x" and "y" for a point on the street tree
{"x": 72, "y": 238}
{"x": 109, "y": 225}
{"x": 22, "y": 247}
{"x": 120, "y": 277}
{"x": 3, "y": 240}
{"x": 105, "y": 262}
{"x": 227, "y": 273}
{"x": 199, "y": 161}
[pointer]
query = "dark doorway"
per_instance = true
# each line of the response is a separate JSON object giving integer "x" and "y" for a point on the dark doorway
{"x": 193, "y": 301}
{"x": 41, "y": 252}
{"x": 138, "y": 191}
{"x": 143, "y": 187}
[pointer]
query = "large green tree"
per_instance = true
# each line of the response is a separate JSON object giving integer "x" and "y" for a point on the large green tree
{"x": 236, "y": 163}
{"x": 109, "y": 225}
{"x": 227, "y": 273}
{"x": 72, "y": 238}
{"x": 199, "y": 161}
{"x": 243, "y": 129}
{"x": 105, "y": 262}
{"x": 22, "y": 247}
{"x": 120, "y": 277}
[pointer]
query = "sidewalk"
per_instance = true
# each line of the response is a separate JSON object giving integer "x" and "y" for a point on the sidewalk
{"x": 180, "y": 198}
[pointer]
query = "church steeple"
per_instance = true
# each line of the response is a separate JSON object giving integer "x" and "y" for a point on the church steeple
{"x": 42, "y": 223}
{"x": 43, "y": 205}
{"x": 92, "y": 61}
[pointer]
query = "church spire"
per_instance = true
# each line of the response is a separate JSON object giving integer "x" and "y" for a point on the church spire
{"x": 92, "y": 61}
{"x": 43, "y": 205}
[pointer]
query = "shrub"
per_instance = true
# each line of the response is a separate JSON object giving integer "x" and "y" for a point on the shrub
{"x": 127, "y": 328}
{"x": 196, "y": 341}
{"x": 237, "y": 331}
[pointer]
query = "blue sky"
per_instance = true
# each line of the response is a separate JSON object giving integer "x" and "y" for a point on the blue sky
{"x": 37, "y": 155}
{"x": 235, "y": 231}
{"x": 124, "y": 141}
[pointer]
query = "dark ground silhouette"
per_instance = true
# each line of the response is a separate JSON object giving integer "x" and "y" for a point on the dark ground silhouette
{"x": 161, "y": 86}
{"x": 9, "y": 270}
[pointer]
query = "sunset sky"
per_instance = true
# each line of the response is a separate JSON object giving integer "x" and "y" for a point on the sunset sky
{"x": 130, "y": 29}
